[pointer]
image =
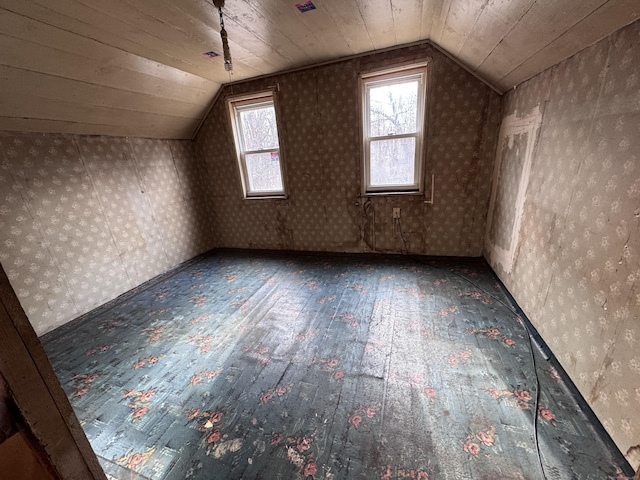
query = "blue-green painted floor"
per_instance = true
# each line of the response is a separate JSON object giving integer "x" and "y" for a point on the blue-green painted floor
{"x": 257, "y": 365}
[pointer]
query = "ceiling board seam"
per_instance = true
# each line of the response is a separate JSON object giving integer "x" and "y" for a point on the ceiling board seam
{"x": 328, "y": 13}
{"x": 259, "y": 12}
{"x": 393, "y": 20}
{"x": 96, "y": 40}
{"x": 366, "y": 29}
{"x": 565, "y": 32}
{"x": 444, "y": 22}
{"x": 505, "y": 35}
{"x": 120, "y": 19}
{"x": 234, "y": 18}
{"x": 106, "y": 87}
{"x": 108, "y": 107}
{"x": 475, "y": 22}
{"x": 100, "y": 41}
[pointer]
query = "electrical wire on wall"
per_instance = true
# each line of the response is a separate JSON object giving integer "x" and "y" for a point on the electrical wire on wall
{"x": 533, "y": 358}
{"x": 404, "y": 241}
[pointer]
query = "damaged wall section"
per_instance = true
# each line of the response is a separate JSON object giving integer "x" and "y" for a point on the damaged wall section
{"x": 576, "y": 266}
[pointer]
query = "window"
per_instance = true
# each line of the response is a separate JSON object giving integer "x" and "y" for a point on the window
{"x": 256, "y": 136}
{"x": 393, "y": 121}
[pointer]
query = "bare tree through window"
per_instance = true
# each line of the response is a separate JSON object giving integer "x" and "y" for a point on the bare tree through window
{"x": 393, "y": 130}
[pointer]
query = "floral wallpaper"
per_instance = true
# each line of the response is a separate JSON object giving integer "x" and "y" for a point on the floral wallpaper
{"x": 576, "y": 269}
{"x": 320, "y": 127}
{"x": 84, "y": 219}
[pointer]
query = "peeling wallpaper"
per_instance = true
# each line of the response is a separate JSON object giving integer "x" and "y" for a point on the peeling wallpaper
{"x": 319, "y": 122}
{"x": 84, "y": 219}
{"x": 577, "y": 268}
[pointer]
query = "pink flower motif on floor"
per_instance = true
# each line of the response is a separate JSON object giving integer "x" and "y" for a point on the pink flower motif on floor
{"x": 485, "y": 438}
{"x": 213, "y": 436}
{"x": 508, "y": 341}
{"x": 132, "y": 460}
{"x": 265, "y": 397}
{"x": 82, "y": 382}
{"x": 81, "y": 392}
{"x": 338, "y": 375}
{"x": 429, "y": 392}
{"x": 547, "y": 415}
{"x": 310, "y": 469}
{"x": 138, "y": 402}
{"x": 370, "y": 412}
{"x": 471, "y": 447}
{"x": 387, "y": 473}
{"x": 216, "y": 416}
{"x": 193, "y": 413}
{"x": 494, "y": 392}
{"x": 276, "y": 438}
{"x": 363, "y": 412}
{"x": 482, "y": 438}
{"x": 453, "y": 361}
{"x": 465, "y": 355}
{"x": 355, "y": 420}
{"x": 523, "y": 395}
{"x": 140, "y": 412}
{"x": 303, "y": 443}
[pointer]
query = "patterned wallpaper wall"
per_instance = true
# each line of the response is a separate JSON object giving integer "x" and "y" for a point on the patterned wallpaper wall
{"x": 577, "y": 268}
{"x": 320, "y": 127}
{"x": 84, "y": 219}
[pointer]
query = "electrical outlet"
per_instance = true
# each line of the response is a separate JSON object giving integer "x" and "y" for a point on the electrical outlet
{"x": 396, "y": 212}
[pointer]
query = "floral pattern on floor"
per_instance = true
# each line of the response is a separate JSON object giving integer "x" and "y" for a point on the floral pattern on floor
{"x": 250, "y": 365}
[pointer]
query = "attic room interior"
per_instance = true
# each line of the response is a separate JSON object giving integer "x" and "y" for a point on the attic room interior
{"x": 319, "y": 239}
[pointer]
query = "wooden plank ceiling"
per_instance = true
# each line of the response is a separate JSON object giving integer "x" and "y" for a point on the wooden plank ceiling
{"x": 136, "y": 67}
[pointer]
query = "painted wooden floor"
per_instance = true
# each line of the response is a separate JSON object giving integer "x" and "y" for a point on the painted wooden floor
{"x": 283, "y": 366}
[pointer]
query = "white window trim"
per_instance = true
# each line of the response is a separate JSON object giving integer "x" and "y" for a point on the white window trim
{"x": 236, "y": 104}
{"x": 389, "y": 76}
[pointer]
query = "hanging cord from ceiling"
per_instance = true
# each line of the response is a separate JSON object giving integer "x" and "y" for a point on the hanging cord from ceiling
{"x": 228, "y": 64}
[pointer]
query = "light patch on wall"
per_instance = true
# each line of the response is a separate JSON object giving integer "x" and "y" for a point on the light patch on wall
{"x": 513, "y": 161}
{"x": 306, "y": 6}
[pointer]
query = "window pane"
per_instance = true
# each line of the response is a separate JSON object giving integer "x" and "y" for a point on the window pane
{"x": 393, "y": 162}
{"x": 259, "y": 129}
{"x": 393, "y": 109}
{"x": 263, "y": 172}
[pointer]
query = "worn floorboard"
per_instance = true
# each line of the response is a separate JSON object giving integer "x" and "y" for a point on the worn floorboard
{"x": 280, "y": 366}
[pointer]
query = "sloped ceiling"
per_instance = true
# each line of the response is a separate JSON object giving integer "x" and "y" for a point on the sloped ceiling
{"x": 136, "y": 67}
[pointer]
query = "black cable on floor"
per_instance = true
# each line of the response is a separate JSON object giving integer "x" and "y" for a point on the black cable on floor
{"x": 533, "y": 359}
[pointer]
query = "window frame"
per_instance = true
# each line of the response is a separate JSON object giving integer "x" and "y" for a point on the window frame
{"x": 392, "y": 76}
{"x": 237, "y": 104}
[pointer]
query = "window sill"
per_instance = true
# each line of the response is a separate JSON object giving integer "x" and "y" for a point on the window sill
{"x": 268, "y": 197}
{"x": 381, "y": 194}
